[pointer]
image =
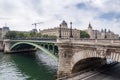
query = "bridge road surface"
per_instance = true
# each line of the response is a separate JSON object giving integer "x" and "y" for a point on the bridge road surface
{"x": 112, "y": 73}
{"x": 105, "y": 73}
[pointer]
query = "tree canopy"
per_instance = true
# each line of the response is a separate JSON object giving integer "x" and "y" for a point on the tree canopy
{"x": 84, "y": 34}
{"x": 17, "y": 34}
{"x": 11, "y": 34}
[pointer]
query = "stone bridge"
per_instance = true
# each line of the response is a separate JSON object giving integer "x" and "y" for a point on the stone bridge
{"x": 73, "y": 54}
{"x": 77, "y": 54}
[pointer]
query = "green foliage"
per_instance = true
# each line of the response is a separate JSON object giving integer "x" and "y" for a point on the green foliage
{"x": 11, "y": 34}
{"x": 21, "y": 35}
{"x": 84, "y": 34}
{"x": 32, "y": 34}
{"x": 45, "y": 35}
{"x": 48, "y": 36}
{"x": 17, "y": 34}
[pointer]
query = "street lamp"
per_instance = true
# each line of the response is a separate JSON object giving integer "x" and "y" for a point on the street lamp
{"x": 71, "y": 36}
{"x": 95, "y": 34}
{"x": 105, "y": 34}
{"x": 60, "y": 31}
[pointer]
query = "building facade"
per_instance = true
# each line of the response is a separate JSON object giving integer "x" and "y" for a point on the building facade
{"x": 103, "y": 34}
{"x": 62, "y": 30}
{"x": 5, "y": 29}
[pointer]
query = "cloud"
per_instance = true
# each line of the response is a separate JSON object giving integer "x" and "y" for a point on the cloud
{"x": 20, "y": 14}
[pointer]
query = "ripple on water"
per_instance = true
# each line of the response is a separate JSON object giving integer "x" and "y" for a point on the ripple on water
{"x": 9, "y": 71}
{"x": 25, "y": 67}
{"x": 47, "y": 60}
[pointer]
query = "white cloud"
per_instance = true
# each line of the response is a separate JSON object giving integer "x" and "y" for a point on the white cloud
{"x": 20, "y": 14}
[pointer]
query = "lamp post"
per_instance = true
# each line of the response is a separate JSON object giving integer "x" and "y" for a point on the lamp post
{"x": 95, "y": 34}
{"x": 105, "y": 34}
{"x": 71, "y": 36}
{"x": 60, "y": 31}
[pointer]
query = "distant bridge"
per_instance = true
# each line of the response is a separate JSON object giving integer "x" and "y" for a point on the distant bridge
{"x": 47, "y": 46}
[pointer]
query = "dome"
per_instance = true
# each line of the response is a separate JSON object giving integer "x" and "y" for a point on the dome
{"x": 64, "y": 24}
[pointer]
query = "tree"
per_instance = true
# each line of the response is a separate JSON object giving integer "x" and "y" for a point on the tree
{"x": 32, "y": 34}
{"x": 11, "y": 34}
{"x": 16, "y": 34}
{"x": 45, "y": 35}
{"x": 20, "y": 35}
{"x": 84, "y": 34}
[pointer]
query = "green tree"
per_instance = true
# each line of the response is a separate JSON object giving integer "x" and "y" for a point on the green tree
{"x": 32, "y": 34}
{"x": 45, "y": 35}
{"x": 84, "y": 34}
{"x": 21, "y": 35}
{"x": 11, "y": 34}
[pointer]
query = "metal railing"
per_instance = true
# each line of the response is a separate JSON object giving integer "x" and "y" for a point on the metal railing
{"x": 34, "y": 38}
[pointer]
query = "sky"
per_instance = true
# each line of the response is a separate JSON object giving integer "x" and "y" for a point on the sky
{"x": 21, "y": 14}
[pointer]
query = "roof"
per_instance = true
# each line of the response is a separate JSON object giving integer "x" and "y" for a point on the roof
{"x": 6, "y": 28}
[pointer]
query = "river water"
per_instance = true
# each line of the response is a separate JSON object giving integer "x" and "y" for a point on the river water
{"x": 27, "y": 67}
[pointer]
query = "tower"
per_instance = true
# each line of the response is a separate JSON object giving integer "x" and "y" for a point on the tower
{"x": 90, "y": 31}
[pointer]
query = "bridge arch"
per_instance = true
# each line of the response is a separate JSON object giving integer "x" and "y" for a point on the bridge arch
{"x": 86, "y": 63}
{"x": 84, "y": 58}
{"x": 37, "y": 46}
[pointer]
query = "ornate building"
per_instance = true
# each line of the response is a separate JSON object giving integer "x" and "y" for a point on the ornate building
{"x": 103, "y": 34}
{"x": 62, "y": 31}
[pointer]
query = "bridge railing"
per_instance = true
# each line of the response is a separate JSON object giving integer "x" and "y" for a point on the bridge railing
{"x": 34, "y": 38}
{"x": 116, "y": 41}
{"x": 99, "y": 41}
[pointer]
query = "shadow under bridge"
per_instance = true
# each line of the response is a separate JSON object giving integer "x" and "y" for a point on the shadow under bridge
{"x": 48, "y": 48}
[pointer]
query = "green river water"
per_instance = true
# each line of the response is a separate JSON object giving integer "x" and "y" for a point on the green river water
{"x": 27, "y": 67}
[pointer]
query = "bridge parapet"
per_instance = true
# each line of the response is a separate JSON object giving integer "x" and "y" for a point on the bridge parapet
{"x": 91, "y": 41}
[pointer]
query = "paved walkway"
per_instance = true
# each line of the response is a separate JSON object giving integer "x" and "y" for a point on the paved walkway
{"x": 107, "y": 72}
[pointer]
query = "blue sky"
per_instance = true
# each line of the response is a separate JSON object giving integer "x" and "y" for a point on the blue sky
{"x": 20, "y": 14}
